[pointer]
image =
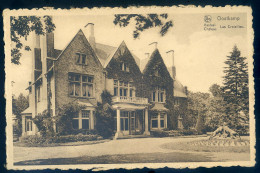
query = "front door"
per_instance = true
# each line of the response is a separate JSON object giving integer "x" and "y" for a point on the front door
{"x": 128, "y": 122}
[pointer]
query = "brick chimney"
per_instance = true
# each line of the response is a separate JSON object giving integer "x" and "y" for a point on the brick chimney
{"x": 50, "y": 44}
{"x": 89, "y": 31}
{"x": 172, "y": 69}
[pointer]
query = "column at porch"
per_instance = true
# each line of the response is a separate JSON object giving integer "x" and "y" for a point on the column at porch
{"x": 146, "y": 132}
{"x": 118, "y": 125}
{"x": 159, "y": 120}
{"x": 23, "y": 125}
{"x": 91, "y": 120}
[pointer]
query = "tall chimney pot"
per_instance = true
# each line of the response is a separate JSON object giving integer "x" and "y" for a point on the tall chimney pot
{"x": 172, "y": 68}
{"x": 89, "y": 31}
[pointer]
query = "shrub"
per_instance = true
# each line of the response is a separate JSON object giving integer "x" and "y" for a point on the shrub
{"x": 104, "y": 116}
{"x": 65, "y": 116}
{"x": 159, "y": 133}
{"x": 35, "y": 140}
{"x": 189, "y": 132}
{"x": 45, "y": 122}
{"x": 77, "y": 138}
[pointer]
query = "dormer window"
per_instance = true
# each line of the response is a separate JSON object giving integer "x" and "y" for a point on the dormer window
{"x": 81, "y": 59}
{"x": 156, "y": 73}
{"x": 124, "y": 67}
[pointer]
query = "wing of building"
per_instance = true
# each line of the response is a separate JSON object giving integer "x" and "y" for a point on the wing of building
{"x": 145, "y": 92}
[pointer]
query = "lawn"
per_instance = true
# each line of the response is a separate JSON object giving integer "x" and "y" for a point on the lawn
{"x": 122, "y": 158}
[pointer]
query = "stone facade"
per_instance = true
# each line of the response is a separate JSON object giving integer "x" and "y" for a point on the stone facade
{"x": 143, "y": 101}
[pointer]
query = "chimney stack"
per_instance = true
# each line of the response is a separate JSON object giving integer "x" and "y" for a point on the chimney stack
{"x": 154, "y": 44}
{"x": 172, "y": 68}
{"x": 50, "y": 44}
{"x": 89, "y": 31}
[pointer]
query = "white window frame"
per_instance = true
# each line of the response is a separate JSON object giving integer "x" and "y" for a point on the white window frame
{"x": 124, "y": 67}
{"x": 80, "y": 119}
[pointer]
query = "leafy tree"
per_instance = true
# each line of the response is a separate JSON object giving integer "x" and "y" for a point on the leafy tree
{"x": 104, "y": 116}
{"x": 144, "y": 22}
{"x": 65, "y": 117}
{"x": 217, "y": 108}
{"x": 236, "y": 89}
{"x": 45, "y": 123}
{"x": 22, "y": 26}
{"x": 198, "y": 104}
{"x": 18, "y": 106}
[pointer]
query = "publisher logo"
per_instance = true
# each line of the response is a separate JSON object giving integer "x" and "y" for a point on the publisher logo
{"x": 207, "y": 18}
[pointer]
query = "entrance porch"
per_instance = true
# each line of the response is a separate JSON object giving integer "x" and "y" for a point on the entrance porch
{"x": 131, "y": 116}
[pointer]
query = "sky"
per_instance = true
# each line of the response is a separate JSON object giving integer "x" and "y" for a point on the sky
{"x": 199, "y": 55}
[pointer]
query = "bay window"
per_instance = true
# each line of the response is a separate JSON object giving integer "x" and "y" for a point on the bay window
{"x": 81, "y": 120}
{"x": 159, "y": 121}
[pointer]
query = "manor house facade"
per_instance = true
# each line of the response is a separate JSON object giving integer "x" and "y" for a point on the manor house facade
{"x": 143, "y": 99}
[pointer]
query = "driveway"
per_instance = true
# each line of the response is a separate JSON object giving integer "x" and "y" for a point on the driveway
{"x": 114, "y": 147}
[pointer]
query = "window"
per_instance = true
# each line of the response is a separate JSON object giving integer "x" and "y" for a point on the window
{"x": 124, "y": 67}
{"x": 158, "y": 95}
{"x": 28, "y": 124}
{"x": 154, "y": 120}
{"x": 156, "y": 73}
{"x": 124, "y": 121}
{"x": 81, "y": 58}
{"x": 176, "y": 101}
{"x": 80, "y": 85}
{"x": 162, "y": 122}
{"x": 158, "y": 121}
{"x": 85, "y": 119}
{"x": 81, "y": 121}
{"x": 125, "y": 89}
{"x": 38, "y": 93}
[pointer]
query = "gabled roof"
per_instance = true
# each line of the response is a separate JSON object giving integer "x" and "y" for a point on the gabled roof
{"x": 79, "y": 32}
{"x": 137, "y": 60}
{"x": 151, "y": 61}
{"x": 27, "y": 111}
{"x": 103, "y": 52}
{"x": 179, "y": 90}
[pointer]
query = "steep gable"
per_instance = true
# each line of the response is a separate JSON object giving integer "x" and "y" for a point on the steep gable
{"x": 122, "y": 55}
{"x": 156, "y": 67}
{"x": 80, "y": 39}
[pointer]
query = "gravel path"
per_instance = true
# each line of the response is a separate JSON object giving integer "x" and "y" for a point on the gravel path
{"x": 123, "y": 146}
{"x": 117, "y": 147}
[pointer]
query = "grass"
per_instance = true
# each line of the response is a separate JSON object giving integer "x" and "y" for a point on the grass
{"x": 21, "y": 144}
{"x": 203, "y": 148}
{"x": 122, "y": 158}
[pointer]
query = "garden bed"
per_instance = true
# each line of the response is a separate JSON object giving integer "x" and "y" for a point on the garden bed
{"x": 211, "y": 146}
{"x": 69, "y": 140}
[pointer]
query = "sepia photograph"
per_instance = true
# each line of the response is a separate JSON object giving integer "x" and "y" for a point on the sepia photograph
{"x": 134, "y": 87}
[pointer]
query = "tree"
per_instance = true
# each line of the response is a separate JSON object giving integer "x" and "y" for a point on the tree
{"x": 144, "y": 22}
{"x": 198, "y": 105}
{"x": 18, "y": 106}
{"x": 236, "y": 88}
{"x": 104, "y": 116}
{"x": 22, "y": 26}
